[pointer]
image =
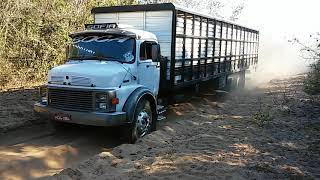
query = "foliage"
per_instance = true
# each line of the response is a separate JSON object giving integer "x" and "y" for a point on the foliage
{"x": 311, "y": 52}
{"x": 216, "y": 8}
{"x": 263, "y": 116}
{"x": 34, "y": 33}
{"x": 312, "y": 82}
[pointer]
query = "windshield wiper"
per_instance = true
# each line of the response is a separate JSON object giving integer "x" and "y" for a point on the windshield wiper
{"x": 96, "y": 58}
{"x": 82, "y": 57}
{"x": 109, "y": 57}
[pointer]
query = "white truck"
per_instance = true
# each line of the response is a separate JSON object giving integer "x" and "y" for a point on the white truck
{"x": 118, "y": 68}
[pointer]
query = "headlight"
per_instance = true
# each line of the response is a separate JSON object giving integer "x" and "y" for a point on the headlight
{"x": 43, "y": 95}
{"x": 102, "y": 105}
{"x": 101, "y": 97}
{"x": 106, "y": 101}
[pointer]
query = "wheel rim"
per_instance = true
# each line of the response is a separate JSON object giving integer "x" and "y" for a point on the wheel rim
{"x": 143, "y": 123}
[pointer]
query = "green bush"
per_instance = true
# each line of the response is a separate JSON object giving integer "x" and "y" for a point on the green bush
{"x": 262, "y": 118}
{"x": 312, "y": 82}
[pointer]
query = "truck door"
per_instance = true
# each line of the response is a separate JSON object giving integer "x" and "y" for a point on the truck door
{"x": 148, "y": 71}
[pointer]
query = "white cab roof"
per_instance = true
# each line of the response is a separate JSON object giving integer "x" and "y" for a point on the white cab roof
{"x": 129, "y": 31}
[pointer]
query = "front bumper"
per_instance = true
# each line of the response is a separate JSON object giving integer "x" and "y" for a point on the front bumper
{"x": 85, "y": 118}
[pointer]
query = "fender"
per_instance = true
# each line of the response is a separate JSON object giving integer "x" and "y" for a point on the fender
{"x": 134, "y": 98}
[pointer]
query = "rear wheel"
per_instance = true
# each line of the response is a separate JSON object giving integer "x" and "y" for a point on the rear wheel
{"x": 142, "y": 123}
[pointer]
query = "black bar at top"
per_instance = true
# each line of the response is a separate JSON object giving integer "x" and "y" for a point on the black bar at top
{"x": 133, "y": 8}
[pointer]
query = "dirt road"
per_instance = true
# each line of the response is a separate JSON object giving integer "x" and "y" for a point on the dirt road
{"x": 270, "y": 132}
{"x": 39, "y": 151}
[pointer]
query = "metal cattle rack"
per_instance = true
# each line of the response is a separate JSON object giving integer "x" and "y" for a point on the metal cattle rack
{"x": 206, "y": 48}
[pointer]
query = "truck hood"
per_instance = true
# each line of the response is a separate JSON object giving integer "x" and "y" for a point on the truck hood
{"x": 90, "y": 73}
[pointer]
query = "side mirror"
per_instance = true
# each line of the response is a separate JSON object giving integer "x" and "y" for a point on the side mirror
{"x": 155, "y": 52}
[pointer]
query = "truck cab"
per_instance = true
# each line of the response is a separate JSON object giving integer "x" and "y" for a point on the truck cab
{"x": 111, "y": 78}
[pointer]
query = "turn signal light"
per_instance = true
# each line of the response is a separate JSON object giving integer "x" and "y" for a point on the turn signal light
{"x": 114, "y": 101}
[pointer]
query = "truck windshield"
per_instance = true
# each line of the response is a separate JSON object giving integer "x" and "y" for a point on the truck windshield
{"x": 107, "y": 47}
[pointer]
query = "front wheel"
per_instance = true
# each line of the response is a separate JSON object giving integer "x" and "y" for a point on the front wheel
{"x": 142, "y": 123}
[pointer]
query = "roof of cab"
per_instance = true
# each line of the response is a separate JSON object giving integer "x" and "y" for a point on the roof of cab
{"x": 128, "y": 32}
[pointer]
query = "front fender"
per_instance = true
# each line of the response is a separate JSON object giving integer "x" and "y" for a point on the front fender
{"x": 134, "y": 98}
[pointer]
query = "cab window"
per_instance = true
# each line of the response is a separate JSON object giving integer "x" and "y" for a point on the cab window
{"x": 146, "y": 50}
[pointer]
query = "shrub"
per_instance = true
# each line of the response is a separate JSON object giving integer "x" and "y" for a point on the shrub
{"x": 312, "y": 81}
{"x": 262, "y": 118}
{"x": 310, "y": 50}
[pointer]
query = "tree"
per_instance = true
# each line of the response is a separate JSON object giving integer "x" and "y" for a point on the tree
{"x": 34, "y": 33}
{"x": 212, "y": 7}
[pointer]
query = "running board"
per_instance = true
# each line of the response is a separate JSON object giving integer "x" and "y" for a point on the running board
{"x": 160, "y": 111}
{"x": 160, "y": 118}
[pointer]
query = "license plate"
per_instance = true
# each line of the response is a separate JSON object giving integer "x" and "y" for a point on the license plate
{"x": 62, "y": 117}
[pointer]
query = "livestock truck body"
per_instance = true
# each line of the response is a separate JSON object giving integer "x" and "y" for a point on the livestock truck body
{"x": 119, "y": 67}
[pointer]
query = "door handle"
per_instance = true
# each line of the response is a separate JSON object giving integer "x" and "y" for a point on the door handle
{"x": 152, "y": 65}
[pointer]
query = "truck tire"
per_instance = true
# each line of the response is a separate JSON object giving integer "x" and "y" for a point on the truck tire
{"x": 142, "y": 123}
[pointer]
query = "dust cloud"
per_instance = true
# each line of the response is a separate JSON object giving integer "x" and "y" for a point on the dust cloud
{"x": 278, "y": 22}
{"x": 277, "y": 59}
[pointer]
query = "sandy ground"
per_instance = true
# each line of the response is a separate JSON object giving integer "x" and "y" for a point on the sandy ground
{"x": 30, "y": 148}
{"x": 271, "y": 132}
{"x": 16, "y": 108}
{"x": 38, "y": 151}
{"x": 264, "y": 133}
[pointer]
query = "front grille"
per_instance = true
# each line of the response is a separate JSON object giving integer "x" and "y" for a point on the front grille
{"x": 71, "y": 100}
